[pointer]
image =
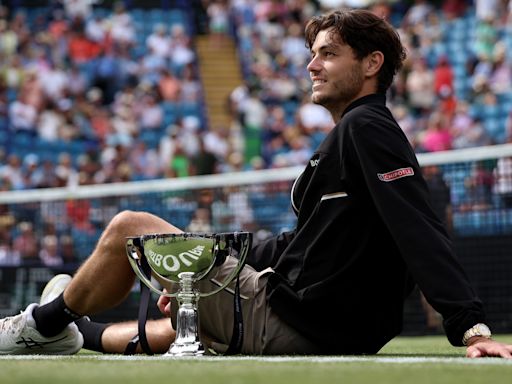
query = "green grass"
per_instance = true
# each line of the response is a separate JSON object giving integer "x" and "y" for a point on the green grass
{"x": 401, "y": 361}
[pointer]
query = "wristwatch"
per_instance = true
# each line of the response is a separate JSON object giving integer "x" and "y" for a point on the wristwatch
{"x": 479, "y": 329}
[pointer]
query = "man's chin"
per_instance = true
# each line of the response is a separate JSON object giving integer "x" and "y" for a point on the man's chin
{"x": 317, "y": 99}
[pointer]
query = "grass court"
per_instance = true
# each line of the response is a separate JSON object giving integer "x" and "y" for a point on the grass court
{"x": 415, "y": 360}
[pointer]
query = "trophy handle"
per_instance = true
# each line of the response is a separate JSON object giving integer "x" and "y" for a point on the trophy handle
{"x": 245, "y": 241}
{"x": 132, "y": 250}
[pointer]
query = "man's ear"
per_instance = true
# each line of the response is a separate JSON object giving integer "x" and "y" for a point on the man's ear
{"x": 373, "y": 63}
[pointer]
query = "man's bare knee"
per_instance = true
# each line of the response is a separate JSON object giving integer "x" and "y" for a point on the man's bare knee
{"x": 135, "y": 223}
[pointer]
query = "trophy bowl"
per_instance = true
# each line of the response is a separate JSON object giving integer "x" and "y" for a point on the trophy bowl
{"x": 181, "y": 260}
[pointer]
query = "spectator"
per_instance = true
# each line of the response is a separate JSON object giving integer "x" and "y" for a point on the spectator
{"x": 150, "y": 113}
{"x": 313, "y": 116}
{"x": 437, "y": 136}
{"x": 77, "y": 82}
{"x": 204, "y": 162}
{"x": 25, "y": 243}
{"x": 23, "y": 117}
{"x": 67, "y": 250}
{"x": 487, "y": 9}
{"x": 12, "y": 172}
{"x": 95, "y": 29}
{"x": 13, "y": 72}
{"x": 469, "y": 135}
{"x": 159, "y": 42}
{"x": 479, "y": 186}
{"x": 486, "y": 35}
{"x": 420, "y": 87}
{"x": 409, "y": 125}
{"x": 80, "y": 49}
{"x": 180, "y": 163}
{"x": 190, "y": 87}
{"x": 440, "y": 194}
{"x": 122, "y": 29}
{"x": 503, "y": 181}
{"x": 167, "y": 148}
{"x": 417, "y": 13}
{"x": 181, "y": 51}
{"x": 78, "y": 214}
{"x": 106, "y": 76}
{"x": 54, "y": 82}
{"x": 254, "y": 117}
{"x": 299, "y": 148}
{"x": 46, "y": 175}
{"x": 169, "y": 86}
{"x": 49, "y": 253}
{"x": 78, "y": 8}
{"x": 144, "y": 162}
{"x": 217, "y": 141}
{"x": 32, "y": 90}
{"x": 500, "y": 79}
{"x": 31, "y": 172}
{"x": 293, "y": 48}
{"x": 65, "y": 171}
{"x": 151, "y": 67}
{"x": 453, "y": 9}
{"x": 443, "y": 76}
{"x": 188, "y": 133}
{"x": 218, "y": 15}
{"x": 7, "y": 254}
{"x": 8, "y": 40}
{"x": 124, "y": 128}
{"x": 201, "y": 222}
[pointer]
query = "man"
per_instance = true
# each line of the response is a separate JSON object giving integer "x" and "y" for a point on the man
{"x": 334, "y": 285}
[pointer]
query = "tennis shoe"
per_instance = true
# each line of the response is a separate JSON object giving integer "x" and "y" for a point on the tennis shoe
{"x": 19, "y": 336}
{"x": 54, "y": 288}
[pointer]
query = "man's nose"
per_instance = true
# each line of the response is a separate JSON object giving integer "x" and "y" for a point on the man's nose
{"x": 313, "y": 65}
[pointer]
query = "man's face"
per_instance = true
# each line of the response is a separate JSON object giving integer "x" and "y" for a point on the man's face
{"x": 336, "y": 74}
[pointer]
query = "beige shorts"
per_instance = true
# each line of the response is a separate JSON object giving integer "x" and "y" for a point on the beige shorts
{"x": 264, "y": 332}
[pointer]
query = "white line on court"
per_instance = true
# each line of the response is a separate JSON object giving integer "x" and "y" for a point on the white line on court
{"x": 279, "y": 359}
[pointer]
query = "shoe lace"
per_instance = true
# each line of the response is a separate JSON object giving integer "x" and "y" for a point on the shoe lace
{"x": 12, "y": 324}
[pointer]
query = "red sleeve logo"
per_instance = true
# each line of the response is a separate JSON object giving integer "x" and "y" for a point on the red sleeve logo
{"x": 396, "y": 174}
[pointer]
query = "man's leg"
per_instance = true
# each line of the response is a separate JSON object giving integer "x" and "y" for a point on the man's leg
{"x": 160, "y": 335}
{"x": 106, "y": 278}
{"x": 102, "y": 282}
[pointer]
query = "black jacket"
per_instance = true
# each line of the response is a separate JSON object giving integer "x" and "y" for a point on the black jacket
{"x": 365, "y": 234}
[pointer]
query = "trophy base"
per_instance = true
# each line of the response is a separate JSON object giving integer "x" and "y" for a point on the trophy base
{"x": 189, "y": 349}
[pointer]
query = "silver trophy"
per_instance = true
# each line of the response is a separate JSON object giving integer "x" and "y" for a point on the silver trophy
{"x": 182, "y": 260}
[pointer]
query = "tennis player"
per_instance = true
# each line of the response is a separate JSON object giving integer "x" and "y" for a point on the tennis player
{"x": 365, "y": 235}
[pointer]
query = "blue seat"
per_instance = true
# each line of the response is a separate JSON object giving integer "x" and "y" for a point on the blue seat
{"x": 495, "y": 127}
{"x": 490, "y": 111}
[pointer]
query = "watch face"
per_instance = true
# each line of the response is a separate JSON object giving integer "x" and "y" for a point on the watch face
{"x": 483, "y": 330}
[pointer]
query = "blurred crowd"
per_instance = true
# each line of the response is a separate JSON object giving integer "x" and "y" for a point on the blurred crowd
{"x": 453, "y": 92}
{"x": 93, "y": 95}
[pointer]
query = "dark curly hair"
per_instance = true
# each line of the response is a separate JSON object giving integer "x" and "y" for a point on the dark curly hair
{"x": 365, "y": 33}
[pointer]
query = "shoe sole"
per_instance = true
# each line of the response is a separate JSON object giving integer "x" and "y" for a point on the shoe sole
{"x": 54, "y": 288}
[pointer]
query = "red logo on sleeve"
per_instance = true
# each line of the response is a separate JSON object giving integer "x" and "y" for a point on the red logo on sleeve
{"x": 396, "y": 174}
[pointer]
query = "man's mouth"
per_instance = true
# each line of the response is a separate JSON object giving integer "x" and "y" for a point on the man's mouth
{"x": 318, "y": 82}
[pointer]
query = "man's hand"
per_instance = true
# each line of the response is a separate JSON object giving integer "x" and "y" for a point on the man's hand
{"x": 484, "y": 347}
{"x": 164, "y": 305}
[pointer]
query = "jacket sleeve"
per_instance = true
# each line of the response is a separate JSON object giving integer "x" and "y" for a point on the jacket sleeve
{"x": 393, "y": 179}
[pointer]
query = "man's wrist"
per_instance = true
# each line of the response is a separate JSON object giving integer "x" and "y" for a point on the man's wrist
{"x": 478, "y": 331}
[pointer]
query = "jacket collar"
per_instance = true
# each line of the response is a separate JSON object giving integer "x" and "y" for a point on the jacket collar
{"x": 374, "y": 98}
